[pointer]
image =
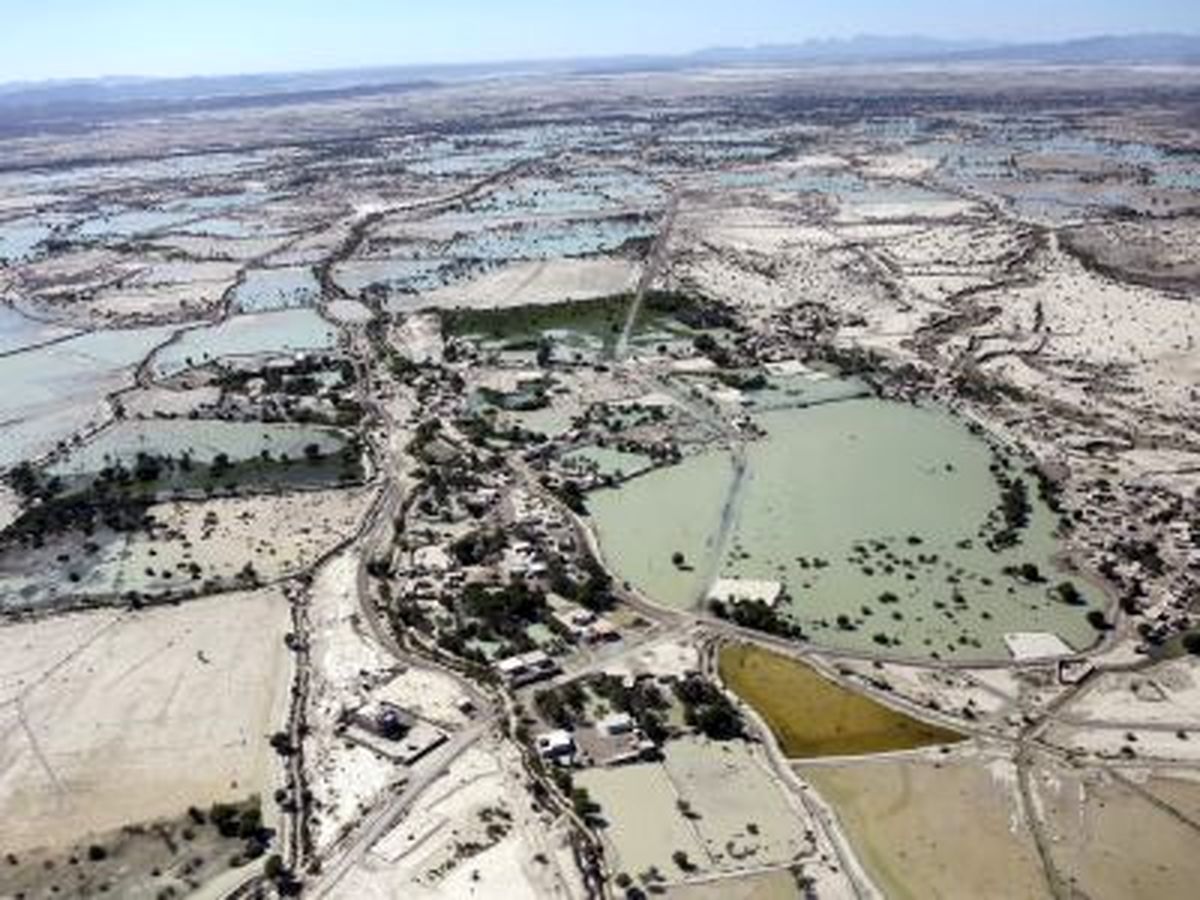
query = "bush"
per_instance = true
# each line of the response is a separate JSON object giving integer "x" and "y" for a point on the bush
{"x": 1069, "y": 594}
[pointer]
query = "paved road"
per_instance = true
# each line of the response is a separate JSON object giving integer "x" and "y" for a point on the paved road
{"x": 654, "y": 261}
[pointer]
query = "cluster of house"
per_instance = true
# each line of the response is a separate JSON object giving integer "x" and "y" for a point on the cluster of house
{"x": 582, "y": 625}
{"x": 612, "y": 741}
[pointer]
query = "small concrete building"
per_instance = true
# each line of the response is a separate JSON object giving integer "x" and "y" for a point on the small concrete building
{"x": 526, "y": 668}
{"x": 616, "y": 724}
{"x": 558, "y": 746}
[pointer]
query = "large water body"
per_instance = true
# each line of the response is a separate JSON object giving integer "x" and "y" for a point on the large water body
{"x": 855, "y": 484}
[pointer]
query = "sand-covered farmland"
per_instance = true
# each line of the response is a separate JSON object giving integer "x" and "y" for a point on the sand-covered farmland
{"x": 716, "y": 802}
{"x": 115, "y": 718}
{"x": 934, "y": 830}
{"x": 1109, "y": 841}
{"x": 536, "y": 282}
{"x": 776, "y": 885}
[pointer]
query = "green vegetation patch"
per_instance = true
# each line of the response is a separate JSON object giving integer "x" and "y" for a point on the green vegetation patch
{"x": 812, "y": 716}
{"x": 516, "y": 325}
{"x": 525, "y": 327}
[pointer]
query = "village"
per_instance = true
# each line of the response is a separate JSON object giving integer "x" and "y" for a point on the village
{"x": 726, "y": 497}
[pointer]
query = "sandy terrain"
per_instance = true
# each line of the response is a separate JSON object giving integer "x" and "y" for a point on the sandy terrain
{"x": 1111, "y": 741}
{"x": 218, "y": 248}
{"x": 668, "y": 657}
{"x": 1167, "y": 695}
{"x": 927, "y": 830}
{"x": 119, "y": 718}
{"x": 159, "y": 401}
{"x": 1180, "y": 788}
{"x": 1111, "y": 842}
{"x": 419, "y": 338}
{"x": 469, "y": 835}
{"x": 345, "y": 776}
{"x": 779, "y": 885}
{"x": 428, "y": 694}
{"x": 521, "y": 283}
{"x": 951, "y": 691}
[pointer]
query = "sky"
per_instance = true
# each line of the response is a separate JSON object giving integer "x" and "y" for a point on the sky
{"x": 42, "y": 39}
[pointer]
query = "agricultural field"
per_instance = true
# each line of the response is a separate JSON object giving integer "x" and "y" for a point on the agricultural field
{"x": 719, "y": 811}
{"x": 812, "y": 716}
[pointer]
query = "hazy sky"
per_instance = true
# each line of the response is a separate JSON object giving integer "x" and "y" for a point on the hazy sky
{"x": 74, "y": 38}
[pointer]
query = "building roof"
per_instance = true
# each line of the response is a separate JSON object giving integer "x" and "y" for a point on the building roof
{"x": 616, "y": 722}
{"x": 555, "y": 741}
{"x": 734, "y": 590}
{"x": 531, "y": 660}
{"x": 1028, "y": 645}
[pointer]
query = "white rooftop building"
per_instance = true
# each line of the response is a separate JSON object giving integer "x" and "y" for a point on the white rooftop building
{"x": 555, "y": 745}
{"x": 526, "y": 668}
{"x": 1030, "y": 645}
{"x": 737, "y": 590}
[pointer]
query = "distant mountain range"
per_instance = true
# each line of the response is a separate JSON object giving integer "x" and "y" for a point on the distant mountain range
{"x": 25, "y": 105}
{"x": 1124, "y": 49}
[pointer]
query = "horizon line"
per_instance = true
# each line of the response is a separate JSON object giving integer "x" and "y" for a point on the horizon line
{"x": 975, "y": 43}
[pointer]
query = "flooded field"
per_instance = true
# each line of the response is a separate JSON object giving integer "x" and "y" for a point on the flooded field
{"x": 58, "y": 390}
{"x": 881, "y": 522}
{"x": 19, "y": 240}
{"x": 812, "y": 716}
{"x": 277, "y": 333}
{"x": 202, "y": 440}
{"x": 264, "y": 290}
{"x": 19, "y": 332}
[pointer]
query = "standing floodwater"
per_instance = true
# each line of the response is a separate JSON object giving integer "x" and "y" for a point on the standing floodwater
{"x": 881, "y": 522}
